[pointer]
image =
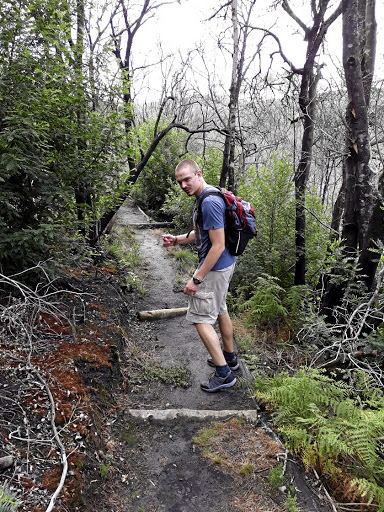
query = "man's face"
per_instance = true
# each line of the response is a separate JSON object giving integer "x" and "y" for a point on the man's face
{"x": 190, "y": 182}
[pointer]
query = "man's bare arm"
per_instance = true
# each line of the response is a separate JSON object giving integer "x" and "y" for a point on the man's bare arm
{"x": 217, "y": 238}
{"x": 187, "y": 238}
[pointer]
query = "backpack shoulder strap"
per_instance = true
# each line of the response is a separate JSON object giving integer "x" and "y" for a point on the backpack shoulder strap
{"x": 214, "y": 191}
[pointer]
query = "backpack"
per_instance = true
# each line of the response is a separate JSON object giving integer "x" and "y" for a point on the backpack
{"x": 240, "y": 220}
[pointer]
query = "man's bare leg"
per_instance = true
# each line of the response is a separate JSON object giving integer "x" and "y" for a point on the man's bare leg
{"x": 226, "y": 330}
{"x": 222, "y": 378}
{"x": 211, "y": 342}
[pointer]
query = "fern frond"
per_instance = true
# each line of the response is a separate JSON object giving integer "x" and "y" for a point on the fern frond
{"x": 371, "y": 491}
{"x": 332, "y": 426}
{"x": 297, "y": 439}
{"x": 364, "y": 436}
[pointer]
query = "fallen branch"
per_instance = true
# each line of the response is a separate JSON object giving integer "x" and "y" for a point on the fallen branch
{"x": 63, "y": 452}
{"x": 19, "y": 317}
{"x": 157, "y": 314}
{"x": 151, "y": 225}
{"x": 342, "y": 358}
{"x": 329, "y": 498}
{"x": 355, "y": 507}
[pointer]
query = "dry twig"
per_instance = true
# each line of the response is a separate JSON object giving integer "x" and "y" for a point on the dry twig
{"x": 18, "y": 319}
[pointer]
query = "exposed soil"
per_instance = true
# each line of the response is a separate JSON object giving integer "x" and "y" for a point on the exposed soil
{"x": 115, "y": 365}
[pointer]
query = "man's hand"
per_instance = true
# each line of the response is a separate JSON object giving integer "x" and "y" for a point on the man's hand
{"x": 191, "y": 288}
{"x": 168, "y": 240}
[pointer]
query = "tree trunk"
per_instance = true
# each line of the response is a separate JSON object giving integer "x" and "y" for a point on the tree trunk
{"x": 359, "y": 190}
{"x": 307, "y": 103}
{"x": 82, "y": 194}
{"x": 338, "y": 209}
{"x": 369, "y": 259}
{"x": 228, "y": 167}
{"x": 310, "y": 75}
{"x": 370, "y": 255}
{"x": 362, "y": 222}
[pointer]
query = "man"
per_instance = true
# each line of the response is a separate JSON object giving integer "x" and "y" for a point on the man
{"x": 207, "y": 289}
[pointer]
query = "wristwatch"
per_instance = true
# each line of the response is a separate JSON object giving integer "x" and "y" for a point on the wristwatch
{"x": 196, "y": 280}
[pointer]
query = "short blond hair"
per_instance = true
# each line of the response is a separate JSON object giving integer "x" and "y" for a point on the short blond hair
{"x": 187, "y": 164}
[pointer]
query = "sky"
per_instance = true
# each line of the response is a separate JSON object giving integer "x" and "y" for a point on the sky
{"x": 182, "y": 26}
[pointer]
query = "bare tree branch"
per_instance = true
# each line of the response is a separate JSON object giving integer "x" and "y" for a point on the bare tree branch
{"x": 288, "y": 10}
{"x": 221, "y": 8}
{"x": 299, "y": 71}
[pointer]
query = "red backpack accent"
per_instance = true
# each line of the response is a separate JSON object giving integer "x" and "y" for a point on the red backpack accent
{"x": 240, "y": 219}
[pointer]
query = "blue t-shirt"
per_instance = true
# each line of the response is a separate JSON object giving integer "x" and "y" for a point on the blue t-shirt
{"x": 212, "y": 217}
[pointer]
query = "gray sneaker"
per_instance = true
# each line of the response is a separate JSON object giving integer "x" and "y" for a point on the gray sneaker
{"x": 215, "y": 383}
{"x": 233, "y": 363}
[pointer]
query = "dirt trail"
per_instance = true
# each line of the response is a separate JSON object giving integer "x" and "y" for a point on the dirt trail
{"x": 160, "y": 468}
{"x": 177, "y": 341}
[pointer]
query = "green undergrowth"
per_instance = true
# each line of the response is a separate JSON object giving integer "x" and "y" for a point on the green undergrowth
{"x": 178, "y": 376}
{"x": 187, "y": 260}
{"x": 147, "y": 370}
{"x": 336, "y": 424}
{"x": 276, "y": 475}
{"x": 8, "y": 499}
{"x": 291, "y": 501}
{"x": 123, "y": 246}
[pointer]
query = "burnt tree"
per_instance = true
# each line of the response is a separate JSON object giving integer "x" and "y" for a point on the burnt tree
{"x": 362, "y": 224}
{"x": 310, "y": 74}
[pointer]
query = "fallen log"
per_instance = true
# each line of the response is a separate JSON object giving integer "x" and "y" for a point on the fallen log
{"x": 152, "y": 225}
{"x": 343, "y": 358}
{"x": 157, "y": 314}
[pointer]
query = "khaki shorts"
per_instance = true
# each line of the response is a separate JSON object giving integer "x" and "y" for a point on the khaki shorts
{"x": 210, "y": 299}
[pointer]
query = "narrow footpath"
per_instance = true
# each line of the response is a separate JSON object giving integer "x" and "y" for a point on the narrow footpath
{"x": 177, "y": 341}
{"x": 162, "y": 468}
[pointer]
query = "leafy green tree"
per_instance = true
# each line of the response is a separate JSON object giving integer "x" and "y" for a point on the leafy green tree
{"x": 45, "y": 152}
{"x": 153, "y": 183}
{"x": 271, "y": 191}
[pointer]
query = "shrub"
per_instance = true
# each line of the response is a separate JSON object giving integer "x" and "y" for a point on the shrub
{"x": 179, "y": 207}
{"x": 336, "y": 427}
{"x": 153, "y": 184}
{"x": 270, "y": 189}
{"x": 265, "y": 304}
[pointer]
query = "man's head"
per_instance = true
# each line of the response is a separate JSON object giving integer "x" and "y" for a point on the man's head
{"x": 189, "y": 177}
